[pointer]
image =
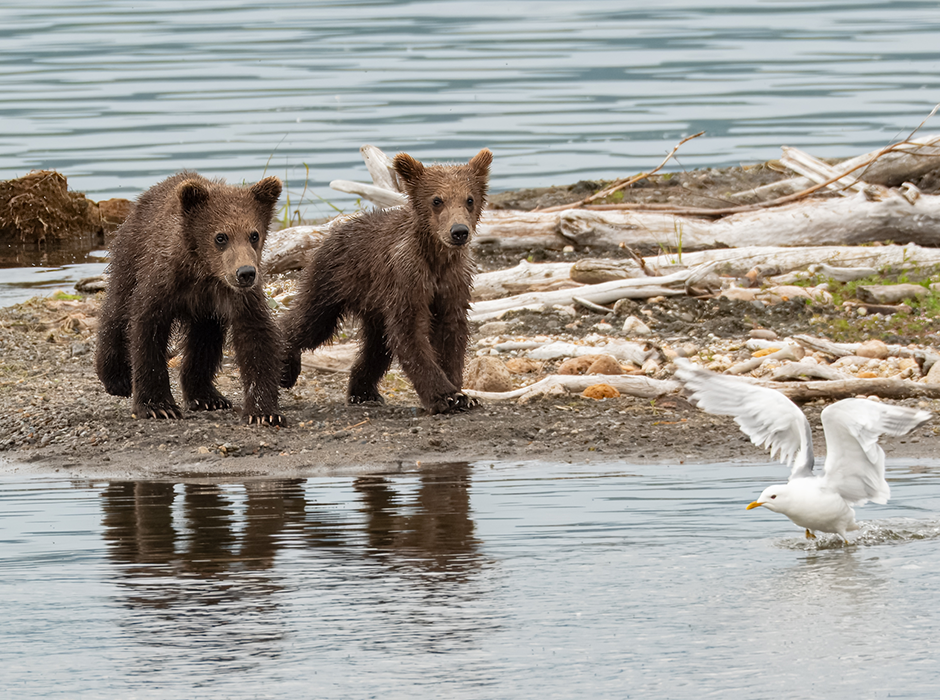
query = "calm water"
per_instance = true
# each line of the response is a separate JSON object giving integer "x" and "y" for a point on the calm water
{"x": 119, "y": 95}
{"x": 467, "y": 581}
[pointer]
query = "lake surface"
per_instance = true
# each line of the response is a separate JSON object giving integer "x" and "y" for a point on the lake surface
{"x": 487, "y": 580}
{"x": 120, "y": 95}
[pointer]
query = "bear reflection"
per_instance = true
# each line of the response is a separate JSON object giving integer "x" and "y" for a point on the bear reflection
{"x": 433, "y": 530}
{"x": 201, "y": 544}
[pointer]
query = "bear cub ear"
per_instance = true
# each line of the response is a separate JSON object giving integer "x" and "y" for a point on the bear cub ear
{"x": 481, "y": 162}
{"x": 192, "y": 194}
{"x": 408, "y": 168}
{"x": 267, "y": 191}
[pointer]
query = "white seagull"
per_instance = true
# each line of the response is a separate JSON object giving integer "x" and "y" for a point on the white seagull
{"x": 855, "y": 464}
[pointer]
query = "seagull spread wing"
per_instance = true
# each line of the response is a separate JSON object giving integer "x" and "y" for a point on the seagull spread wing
{"x": 766, "y": 416}
{"x": 855, "y": 462}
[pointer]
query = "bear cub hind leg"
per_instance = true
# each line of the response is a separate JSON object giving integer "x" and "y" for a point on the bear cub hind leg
{"x": 371, "y": 365}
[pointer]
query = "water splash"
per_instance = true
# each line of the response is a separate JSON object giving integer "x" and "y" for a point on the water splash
{"x": 871, "y": 533}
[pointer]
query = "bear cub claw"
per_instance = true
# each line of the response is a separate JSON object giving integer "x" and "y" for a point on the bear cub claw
{"x": 158, "y": 409}
{"x": 273, "y": 419}
{"x": 375, "y": 398}
{"x": 453, "y": 403}
{"x": 213, "y": 402}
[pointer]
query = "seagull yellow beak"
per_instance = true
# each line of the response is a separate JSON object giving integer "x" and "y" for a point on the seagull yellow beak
{"x": 753, "y": 505}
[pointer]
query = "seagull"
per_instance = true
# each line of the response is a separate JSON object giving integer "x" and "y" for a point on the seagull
{"x": 855, "y": 464}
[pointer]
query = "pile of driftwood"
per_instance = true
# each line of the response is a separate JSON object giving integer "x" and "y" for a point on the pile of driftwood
{"x": 876, "y": 203}
{"x": 779, "y": 233}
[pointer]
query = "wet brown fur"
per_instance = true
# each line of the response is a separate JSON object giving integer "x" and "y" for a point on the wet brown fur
{"x": 190, "y": 252}
{"x": 406, "y": 274}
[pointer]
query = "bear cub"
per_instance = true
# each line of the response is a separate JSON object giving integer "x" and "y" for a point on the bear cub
{"x": 406, "y": 274}
{"x": 190, "y": 254}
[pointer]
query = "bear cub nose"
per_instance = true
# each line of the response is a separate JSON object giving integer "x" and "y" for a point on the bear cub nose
{"x": 245, "y": 275}
{"x": 459, "y": 233}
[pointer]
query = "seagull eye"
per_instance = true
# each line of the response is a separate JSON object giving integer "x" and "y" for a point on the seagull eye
{"x": 773, "y": 497}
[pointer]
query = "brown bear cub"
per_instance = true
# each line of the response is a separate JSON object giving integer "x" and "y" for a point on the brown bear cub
{"x": 406, "y": 274}
{"x": 190, "y": 252}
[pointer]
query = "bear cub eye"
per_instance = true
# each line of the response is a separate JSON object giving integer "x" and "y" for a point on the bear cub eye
{"x": 469, "y": 201}
{"x": 221, "y": 238}
{"x": 253, "y": 237}
{"x": 437, "y": 202}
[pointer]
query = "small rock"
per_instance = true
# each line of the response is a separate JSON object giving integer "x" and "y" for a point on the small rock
{"x": 762, "y": 334}
{"x": 889, "y": 293}
{"x": 577, "y": 365}
{"x": 487, "y": 373}
{"x": 605, "y": 364}
{"x": 495, "y": 328}
{"x": 873, "y": 348}
{"x": 600, "y": 391}
{"x": 622, "y": 307}
{"x": 523, "y": 365}
{"x": 634, "y": 326}
{"x": 203, "y": 450}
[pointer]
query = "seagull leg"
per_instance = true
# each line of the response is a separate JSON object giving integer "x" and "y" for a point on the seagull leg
{"x": 810, "y": 535}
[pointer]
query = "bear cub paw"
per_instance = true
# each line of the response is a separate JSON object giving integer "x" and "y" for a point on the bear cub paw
{"x": 274, "y": 419}
{"x": 370, "y": 398}
{"x": 453, "y": 403}
{"x": 290, "y": 371}
{"x": 213, "y": 402}
{"x": 158, "y": 409}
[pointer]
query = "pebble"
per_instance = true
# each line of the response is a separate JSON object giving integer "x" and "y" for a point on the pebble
{"x": 487, "y": 374}
{"x": 635, "y": 327}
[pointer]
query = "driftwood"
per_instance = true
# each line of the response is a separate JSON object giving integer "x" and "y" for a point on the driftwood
{"x": 826, "y": 222}
{"x": 642, "y": 387}
{"x": 847, "y": 388}
{"x": 926, "y": 358}
{"x": 524, "y": 277}
{"x": 842, "y": 263}
{"x": 917, "y": 158}
{"x": 605, "y": 293}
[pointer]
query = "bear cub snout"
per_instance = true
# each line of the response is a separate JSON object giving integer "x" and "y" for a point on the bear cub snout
{"x": 406, "y": 274}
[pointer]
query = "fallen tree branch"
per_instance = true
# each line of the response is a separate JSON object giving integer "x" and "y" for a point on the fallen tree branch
{"x": 605, "y": 293}
{"x": 641, "y": 387}
{"x": 847, "y": 388}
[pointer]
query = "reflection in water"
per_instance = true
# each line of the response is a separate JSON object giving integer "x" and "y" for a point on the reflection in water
{"x": 195, "y": 560}
{"x": 434, "y": 530}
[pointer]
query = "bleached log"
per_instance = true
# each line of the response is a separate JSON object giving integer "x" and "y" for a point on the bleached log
{"x": 816, "y": 171}
{"x": 738, "y": 261}
{"x": 924, "y": 356}
{"x": 810, "y": 222}
{"x": 641, "y": 387}
{"x": 595, "y": 270}
{"x": 788, "y": 352}
{"x": 380, "y": 167}
{"x": 847, "y": 388}
{"x": 890, "y": 170}
{"x": 523, "y": 277}
{"x": 288, "y": 248}
{"x": 605, "y": 293}
{"x": 383, "y": 197}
